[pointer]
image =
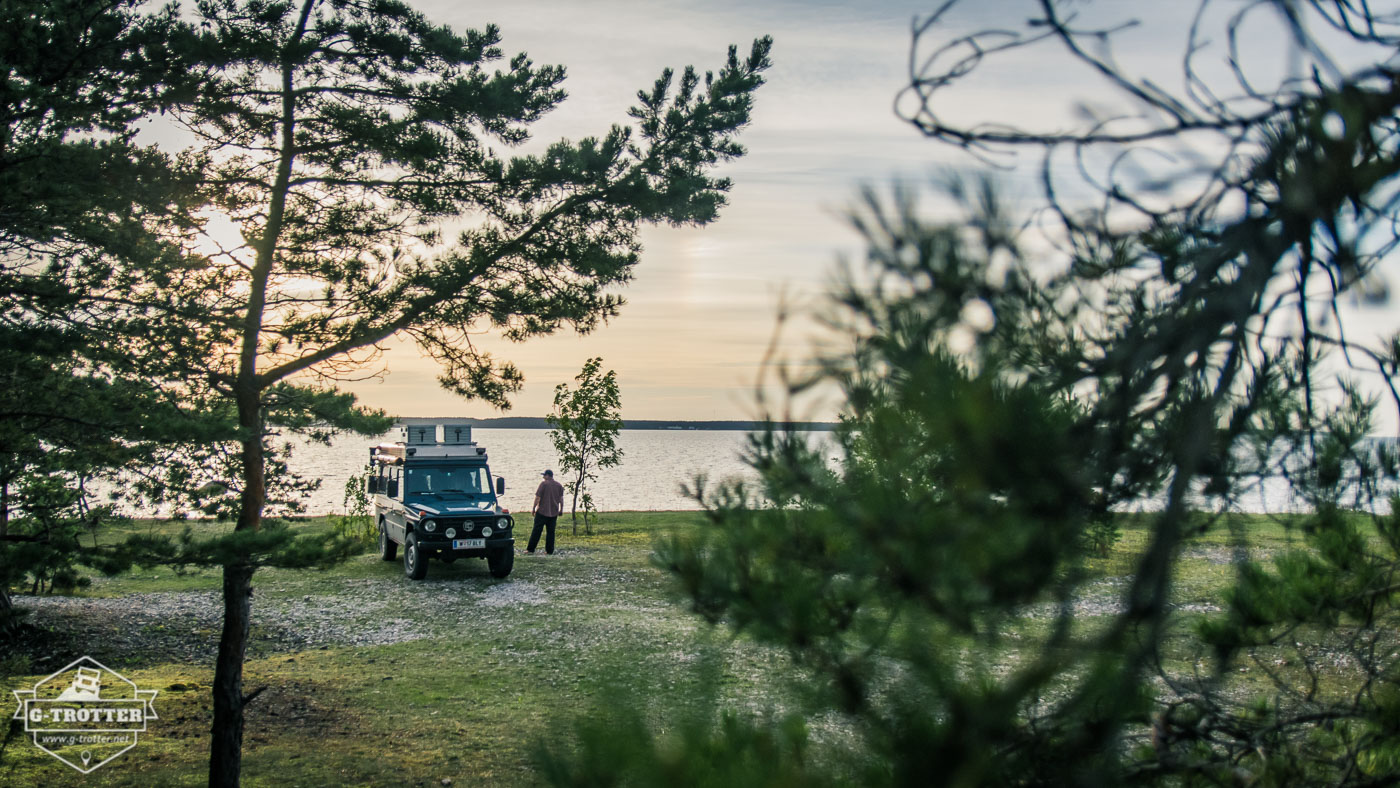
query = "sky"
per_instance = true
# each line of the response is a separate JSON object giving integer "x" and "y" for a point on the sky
{"x": 701, "y": 313}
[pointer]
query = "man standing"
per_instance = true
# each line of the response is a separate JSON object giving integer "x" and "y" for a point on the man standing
{"x": 549, "y": 504}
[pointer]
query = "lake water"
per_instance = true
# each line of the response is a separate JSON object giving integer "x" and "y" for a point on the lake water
{"x": 654, "y": 465}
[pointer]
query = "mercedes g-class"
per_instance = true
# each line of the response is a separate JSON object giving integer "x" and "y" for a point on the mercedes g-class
{"x": 435, "y": 498}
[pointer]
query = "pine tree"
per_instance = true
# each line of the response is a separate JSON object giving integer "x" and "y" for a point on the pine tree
{"x": 87, "y": 230}
{"x": 1188, "y": 342}
{"x": 354, "y": 146}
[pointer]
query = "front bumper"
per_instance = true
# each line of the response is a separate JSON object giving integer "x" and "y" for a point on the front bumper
{"x": 440, "y": 545}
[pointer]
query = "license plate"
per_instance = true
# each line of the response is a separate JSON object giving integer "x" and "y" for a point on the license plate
{"x": 467, "y": 544}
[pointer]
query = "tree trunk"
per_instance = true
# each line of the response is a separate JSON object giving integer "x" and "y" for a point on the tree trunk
{"x": 226, "y": 737}
{"x": 226, "y": 744}
{"x": 573, "y": 511}
{"x": 578, "y": 483}
{"x": 6, "y": 608}
{"x": 7, "y": 611}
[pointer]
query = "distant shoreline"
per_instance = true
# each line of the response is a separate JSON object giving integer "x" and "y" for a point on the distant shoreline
{"x": 538, "y": 423}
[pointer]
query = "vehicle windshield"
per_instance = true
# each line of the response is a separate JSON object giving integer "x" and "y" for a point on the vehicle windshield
{"x": 448, "y": 481}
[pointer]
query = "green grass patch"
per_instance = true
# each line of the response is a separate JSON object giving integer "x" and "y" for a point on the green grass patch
{"x": 461, "y": 675}
{"x": 466, "y": 699}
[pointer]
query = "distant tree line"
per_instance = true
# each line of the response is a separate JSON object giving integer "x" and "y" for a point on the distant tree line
{"x": 542, "y": 423}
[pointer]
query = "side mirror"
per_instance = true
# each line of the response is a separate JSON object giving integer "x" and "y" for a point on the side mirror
{"x": 372, "y": 484}
{"x": 500, "y": 485}
{"x": 393, "y": 491}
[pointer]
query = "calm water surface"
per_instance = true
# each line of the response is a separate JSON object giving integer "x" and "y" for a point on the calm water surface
{"x": 654, "y": 465}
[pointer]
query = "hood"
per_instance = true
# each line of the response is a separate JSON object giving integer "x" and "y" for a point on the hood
{"x": 452, "y": 508}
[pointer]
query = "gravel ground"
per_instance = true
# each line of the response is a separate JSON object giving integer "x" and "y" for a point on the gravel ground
{"x": 291, "y": 613}
{"x": 138, "y": 627}
{"x": 1105, "y": 598}
{"x": 1222, "y": 554}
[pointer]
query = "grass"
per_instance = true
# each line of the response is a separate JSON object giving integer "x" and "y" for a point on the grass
{"x": 470, "y": 700}
{"x": 467, "y": 703}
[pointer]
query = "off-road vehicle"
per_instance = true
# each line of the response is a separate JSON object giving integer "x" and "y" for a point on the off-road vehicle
{"x": 435, "y": 498}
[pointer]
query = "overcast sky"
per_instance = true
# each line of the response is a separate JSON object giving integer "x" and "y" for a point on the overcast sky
{"x": 703, "y": 305}
{"x": 702, "y": 309}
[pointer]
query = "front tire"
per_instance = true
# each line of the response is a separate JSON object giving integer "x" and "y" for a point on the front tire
{"x": 500, "y": 562}
{"x": 415, "y": 562}
{"x": 388, "y": 548}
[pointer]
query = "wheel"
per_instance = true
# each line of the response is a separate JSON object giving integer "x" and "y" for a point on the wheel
{"x": 388, "y": 548}
{"x": 415, "y": 563}
{"x": 500, "y": 562}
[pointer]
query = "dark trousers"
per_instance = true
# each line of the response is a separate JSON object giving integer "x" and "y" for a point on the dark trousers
{"x": 547, "y": 523}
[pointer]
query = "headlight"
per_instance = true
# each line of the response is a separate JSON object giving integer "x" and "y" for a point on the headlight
{"x": 451, "y": 532}
{"x": 486, "y": 531}
{"x": 503, "y": 523}
{"x": 429, "y": 526}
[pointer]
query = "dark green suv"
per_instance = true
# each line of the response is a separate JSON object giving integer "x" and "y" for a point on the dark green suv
{"x": 437, "y": 499}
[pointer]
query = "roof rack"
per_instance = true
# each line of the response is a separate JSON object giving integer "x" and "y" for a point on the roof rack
{"x": 422, "y": 440}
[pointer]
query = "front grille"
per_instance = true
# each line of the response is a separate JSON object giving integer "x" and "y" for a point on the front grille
{"x": 465, "y": 527}
{"x": 471, "y": 527}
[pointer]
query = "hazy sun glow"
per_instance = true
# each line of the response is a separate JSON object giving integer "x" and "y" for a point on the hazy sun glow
{"x": 692, "y": 341}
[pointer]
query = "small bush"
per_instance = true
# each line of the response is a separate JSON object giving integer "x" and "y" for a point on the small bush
{"x": 356, "y": 523}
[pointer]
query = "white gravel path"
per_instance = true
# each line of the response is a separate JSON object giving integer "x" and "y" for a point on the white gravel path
{"x": 354, "y": 612}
